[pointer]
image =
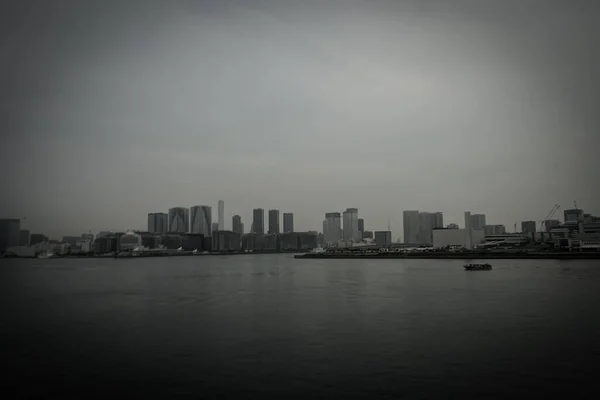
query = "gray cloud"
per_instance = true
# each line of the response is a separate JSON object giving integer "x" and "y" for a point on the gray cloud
{"x": 116, "y": 109}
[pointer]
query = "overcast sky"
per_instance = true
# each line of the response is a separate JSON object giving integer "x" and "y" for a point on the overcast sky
{"x": 114, "y": 109}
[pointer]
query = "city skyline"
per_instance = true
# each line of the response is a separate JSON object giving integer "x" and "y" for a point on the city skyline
{"x": 425, "y": 220}
{"x": 298, "y": 106}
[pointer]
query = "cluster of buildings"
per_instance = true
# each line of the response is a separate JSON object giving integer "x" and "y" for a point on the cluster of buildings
{"x": 192, "y": 229}
{"x": 579, "y": 231}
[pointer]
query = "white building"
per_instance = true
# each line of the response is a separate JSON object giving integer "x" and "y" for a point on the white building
{"x": 179, "y": 219}
{"x": 457, "y": 237}
{"x": 411, "y": 226}
{"x": 350, "y": 228}
{"x": 221, "y": 215}
{"x": 201, "y": 220}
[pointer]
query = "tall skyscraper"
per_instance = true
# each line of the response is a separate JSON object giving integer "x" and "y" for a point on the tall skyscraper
{"x": 201, "y": 220}
{"x": 273, "y": 221}
{"x": 221, "y": 215}
{"x": 478, "y": 222}
{"x": 410, "y": 220}
{"x": 361, "y": 226}
{"x": 158, "y": 223}
{"x": 350, "y": 228}
{"x": 10, "y": 229}
{"x": 439, "y": 220}
{"x": 237, "y": 225}
{"x": 179, "y": 220}
{"x": 468, "y": 231}
{"x": 426, "y": 226}
{"x": 258, "y": 221}
{"x": 332, "y": 227}
{"x": 288, "y": 222}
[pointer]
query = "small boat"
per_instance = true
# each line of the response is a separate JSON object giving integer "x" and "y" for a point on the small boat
{"x": 478, "y": 267}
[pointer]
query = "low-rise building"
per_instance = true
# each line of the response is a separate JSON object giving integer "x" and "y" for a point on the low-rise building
{"x": 224, "y": 241}
{"x": 383, "y": 238}
{"x": 457, "y": 238}
{"x": 130, "y": 241}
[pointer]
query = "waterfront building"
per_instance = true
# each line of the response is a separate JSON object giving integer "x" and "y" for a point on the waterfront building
{"x": 36, "y": 238}
{"x": 10, "y": 229}
{"x": 494, "y": 230}
{"x": 478, "y": 221}
{"x": 427, "y": 223}
{"x": 179, "y": 220}
{"x": 130, "y": 241}
{"x": 192, "y": 241}
{"x": 273, "y": 221}
{"x": 573, "y": 215}
{"x": 410, "y": 219}
{"x": 332, "y": 227}
{"x": 288, "y": 222}
{"x": 361, "y": 226}
{"x": 350, "y": 227}
{"x": 221, "y": 215}
{"x": 158, "y": 223}
{"x": 438, "y": 220}
{"x": 23, "y": 237}
{"x": 237, "y": 225}
{"x": 445, "y": 237}
{"x": 258, "y": 221}
{"x": 383, "y": 238}
{"x": 528, "y": 228}
{"x": 368, "y": 235}
{"x": 215, "y": 227}
{"x": 226, "y": 241}
{"x": 201, "y": 220}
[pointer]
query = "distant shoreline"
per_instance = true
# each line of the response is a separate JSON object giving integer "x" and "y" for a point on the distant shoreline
{"x": 457, "y": 256}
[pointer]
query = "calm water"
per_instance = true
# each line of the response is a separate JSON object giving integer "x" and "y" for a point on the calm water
{"x": 243, "y": 326}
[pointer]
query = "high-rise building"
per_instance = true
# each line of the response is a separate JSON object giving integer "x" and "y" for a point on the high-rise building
{"x": 221, "y": 215}
{"x": 201, "y": 220}
{"x": 439, "y": 220}
{"x": 237, "y": 225}
{"x": 158, "y": 222}
{"x": 179, "y": 220}
{"x": 350, "y": 228}
{"x": 477, "y": 221}
{"x": 468, "y": 231}
{"x": 528, "y": 227}
{"x": 258, "y": 221}
{"x": 10, "y": 229}
{"x": 411, "y": 226}
{"x": 361, "y": 226}
{"x": 383, "y": 238}
{"x": 23, "y": 237}
{"x": 288, "y": 222}
{"x": 273, "y": 221}
{"x": 215, "y": 227}
{"x": 332, "y": 227}
{"x": 426, "y": 227}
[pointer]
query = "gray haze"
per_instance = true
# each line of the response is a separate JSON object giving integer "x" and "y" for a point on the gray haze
{"x": 113, "y": 109}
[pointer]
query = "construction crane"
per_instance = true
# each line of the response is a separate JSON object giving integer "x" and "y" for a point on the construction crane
{"x": 550, "y": 215}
